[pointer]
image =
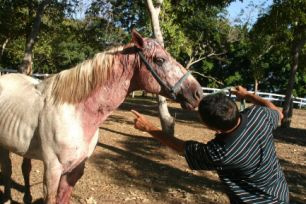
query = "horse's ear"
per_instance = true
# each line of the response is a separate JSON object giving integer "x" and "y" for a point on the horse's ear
{"x": 137, "y": 39}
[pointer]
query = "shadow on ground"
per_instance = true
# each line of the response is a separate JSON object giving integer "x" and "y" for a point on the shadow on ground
{"x": 294, "y": 172}
{"x": 19, "y": 188}
{"x": 291, "y": 135}
{"x": 296, "y": 177}
{"x": 15, "y": 185}
{"x": 138, "y": 164}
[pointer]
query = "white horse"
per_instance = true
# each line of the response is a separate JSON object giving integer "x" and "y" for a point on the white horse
{"x": 56, "y": 120}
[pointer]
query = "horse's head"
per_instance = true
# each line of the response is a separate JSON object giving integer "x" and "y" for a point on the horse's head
{"x": 161, "y": 74}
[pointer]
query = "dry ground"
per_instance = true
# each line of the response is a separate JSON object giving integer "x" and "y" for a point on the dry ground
{"x": 128, "y": 166}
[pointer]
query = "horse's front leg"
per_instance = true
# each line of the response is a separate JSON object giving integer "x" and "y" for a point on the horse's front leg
{"x": 52, "y": 175}
{"x": 6, "y": 169}
{"x": 67, "y": 183}
{"x": 26, "y": 169}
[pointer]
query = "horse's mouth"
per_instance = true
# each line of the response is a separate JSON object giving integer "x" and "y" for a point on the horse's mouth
{"x": 185, "y": 104}
{"x": 188, "y": 106}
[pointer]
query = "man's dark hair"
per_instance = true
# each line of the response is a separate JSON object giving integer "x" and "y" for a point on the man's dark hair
{"x": 219, "y": 111}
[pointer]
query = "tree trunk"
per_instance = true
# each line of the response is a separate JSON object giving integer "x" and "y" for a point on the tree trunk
{"x": 154, "y": 13}
{"x": 26, "y": 65}
{"x": 288, "y": 104}
{"x": 166, "y": 120}
{"x": 3, "y": 47}
{"x": 255, "y": 86}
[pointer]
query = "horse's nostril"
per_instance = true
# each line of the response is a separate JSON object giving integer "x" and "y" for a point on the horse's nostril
{"x": 198, "y": 94}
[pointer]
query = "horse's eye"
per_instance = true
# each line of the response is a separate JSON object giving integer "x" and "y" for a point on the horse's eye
{"x": 159, "y": 61}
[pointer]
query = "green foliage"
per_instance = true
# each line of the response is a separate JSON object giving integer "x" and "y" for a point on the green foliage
{"x": 192, "y": 30}
{"x": 13, "y": 54}
{"x": 62, "y": 43}
{"x": 233, "y": 79}
{"x": 284, "y": 28}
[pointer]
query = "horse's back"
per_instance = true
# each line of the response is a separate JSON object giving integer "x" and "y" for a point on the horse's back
{"x": 20, "y": 105}
{"x": 13, "y": 81}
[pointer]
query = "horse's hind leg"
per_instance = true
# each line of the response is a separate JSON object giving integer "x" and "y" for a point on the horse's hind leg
{"x": 26, "y": 169}
{"x": 6, "y": 169}
{"x": 67, "y": 183}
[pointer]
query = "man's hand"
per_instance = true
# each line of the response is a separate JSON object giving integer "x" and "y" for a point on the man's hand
{"x": 240, "y": 92}
{"x": 141, "y": 123}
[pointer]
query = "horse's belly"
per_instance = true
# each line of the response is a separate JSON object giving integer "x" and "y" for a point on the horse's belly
{"x": 19, "y": 137}
{"x": 19, "y": 141}
{"x": 19, "y": 110}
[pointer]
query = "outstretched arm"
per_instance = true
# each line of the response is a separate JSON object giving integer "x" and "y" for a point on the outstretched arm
{"x": 141, "y": 123}
{"x": 242, "y": 93}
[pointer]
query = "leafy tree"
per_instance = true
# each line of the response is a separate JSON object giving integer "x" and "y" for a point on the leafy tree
{"x": 37, "y": 9}
{"x": 26, "y": 66}
{"x": 287, "y": 21}
{"x": 82, "y": 39}
{"x": 101, "y": 34}
{"x": 71, "y": 41}
{"x": 259, "y": 46}
{"x": 200, "y": 36}
{"x": 12, "y": 22}
{"x": 124, "y": 14}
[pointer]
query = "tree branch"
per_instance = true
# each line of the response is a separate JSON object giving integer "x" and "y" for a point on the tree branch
{"x": 191, "y": 62}
{"x": 3, "y": 47}
{"x": 266, "y": 51}
{"x": 209, "y": 77}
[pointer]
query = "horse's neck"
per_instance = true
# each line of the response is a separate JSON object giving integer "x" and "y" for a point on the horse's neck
{"x": 101, "y": 102}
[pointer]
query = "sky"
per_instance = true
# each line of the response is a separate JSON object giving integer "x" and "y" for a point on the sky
{"x": 84, "y": 4}
{"x": 247, "y": 10}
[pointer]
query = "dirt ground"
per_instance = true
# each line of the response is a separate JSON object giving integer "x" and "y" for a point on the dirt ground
{"x": 128, "y": 166}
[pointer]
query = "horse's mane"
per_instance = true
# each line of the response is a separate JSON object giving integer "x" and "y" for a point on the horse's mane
{"x": 75, "y": 84}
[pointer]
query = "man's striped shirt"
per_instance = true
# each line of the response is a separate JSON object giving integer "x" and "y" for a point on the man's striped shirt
{"x": 245, "y": 159}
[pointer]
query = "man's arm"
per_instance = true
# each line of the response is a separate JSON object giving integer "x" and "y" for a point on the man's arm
{"x": 143, "y": 124}
{"x": 242, "y": 93}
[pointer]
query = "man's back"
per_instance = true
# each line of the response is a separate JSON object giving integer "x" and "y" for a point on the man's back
{"x": 245, "y": 159}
